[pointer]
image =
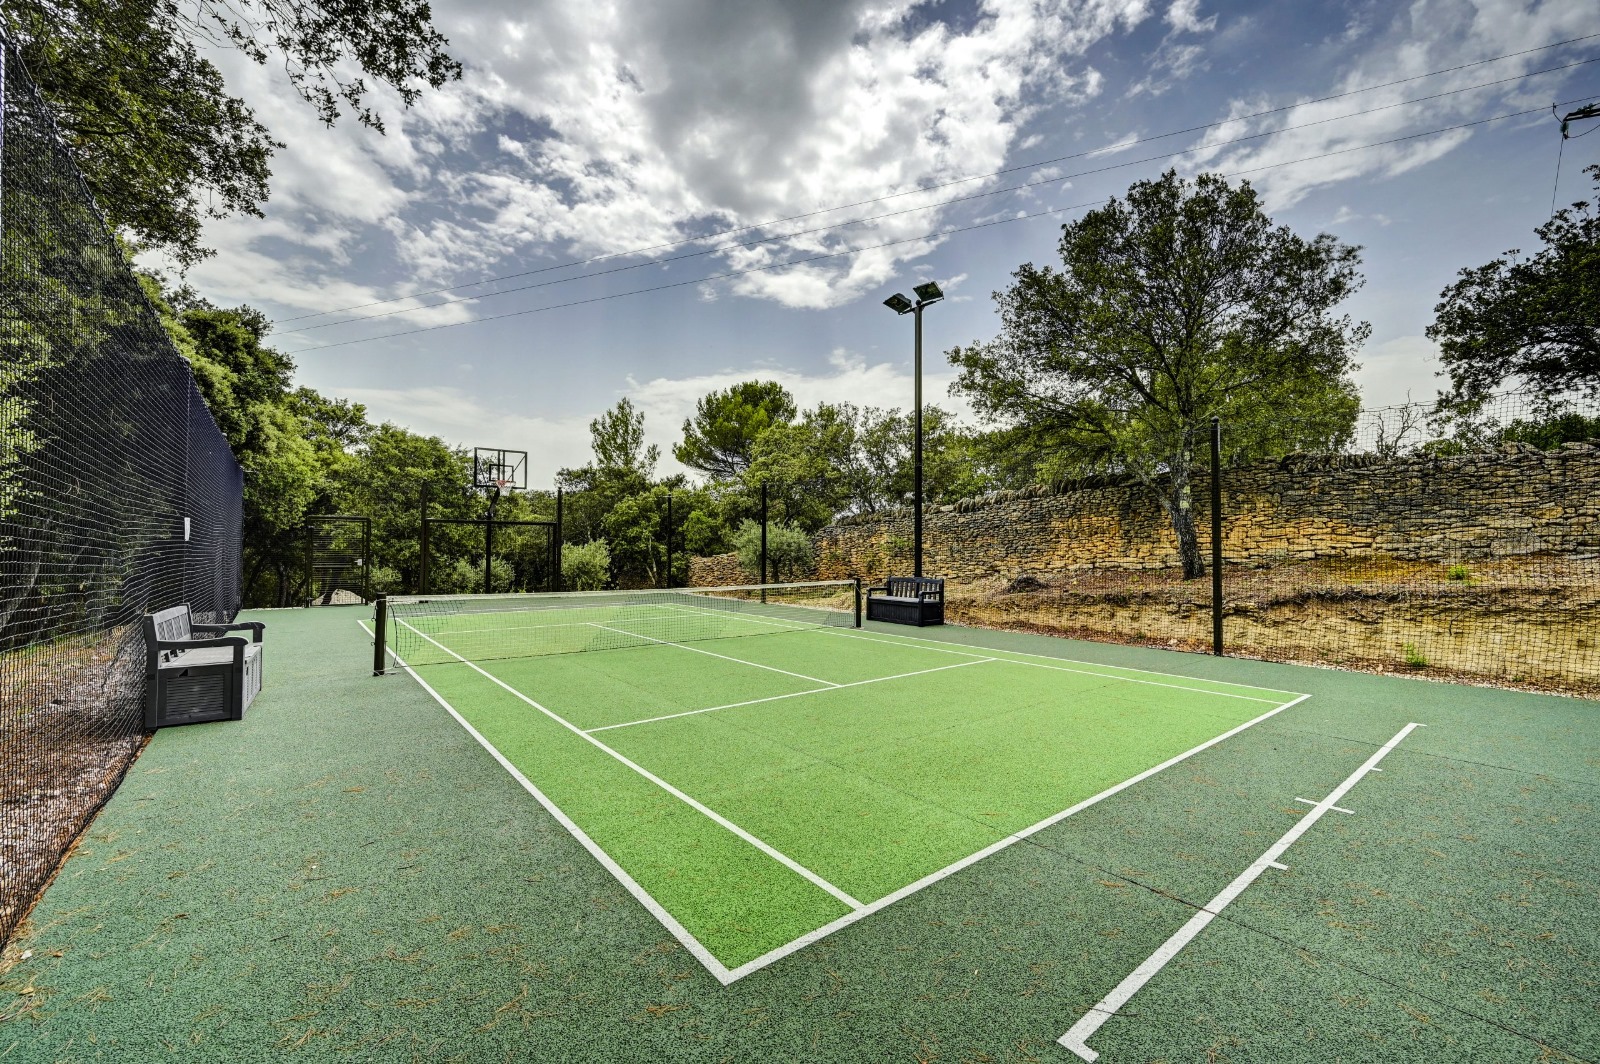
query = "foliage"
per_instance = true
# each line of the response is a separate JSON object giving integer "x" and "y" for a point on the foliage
{"x": 789, "y": 551}
{"x": 1534, "y": 318}
{"x": 585, "y": 566}
{"x": 718, "y": 440}
{"x": 464, "y": 576}
{"x": 1179, "y": 303}
{"x": 161, "y": 142}
{"x": 1551, "y": 432}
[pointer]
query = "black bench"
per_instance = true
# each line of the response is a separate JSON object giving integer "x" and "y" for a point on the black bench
{"x": 196, "y": 671}
{"x": 917, "y": 600}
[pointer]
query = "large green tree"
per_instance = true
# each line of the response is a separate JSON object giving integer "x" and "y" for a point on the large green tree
{"x": 717, "y": 441}
{"x": 1179, "y": 302}
{"x": 150, "y": 121}
{"x": 1535, "y": 318}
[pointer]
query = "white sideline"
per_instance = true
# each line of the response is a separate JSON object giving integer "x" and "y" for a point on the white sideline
{"x": 713, "y": 654}
{"x": 791, "y": 694}
{"x": 718, "y": 970}
{"x": 1076, "y": 1039}
{"x": 783, "y": 859}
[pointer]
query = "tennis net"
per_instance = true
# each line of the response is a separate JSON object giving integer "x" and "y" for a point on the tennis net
{"x": 435, "y": 629}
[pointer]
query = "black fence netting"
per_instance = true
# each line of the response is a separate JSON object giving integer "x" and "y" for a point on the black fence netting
{"x": 1458, "y": 545}
{"x": 118, "y": 495}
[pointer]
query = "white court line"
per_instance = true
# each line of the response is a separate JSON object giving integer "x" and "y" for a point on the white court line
{"x": 933, "y": 877}
{"x": 714, "y": 654}
{"x": 1018, "y": 657}
{"x": 791, "y": 694}
{"x": 728, "y": 976}
{"x": 718, "y": 970}
{"x": 1076, "y": 1039}
{"x": 783, "y": 859}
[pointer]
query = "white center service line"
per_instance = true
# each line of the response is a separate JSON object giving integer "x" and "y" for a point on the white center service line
{"x": 782, "y": 858}
{"x": 791, "y": 694}
{"x": 714, "y": 654}
{"x": 1077, "y": 1038}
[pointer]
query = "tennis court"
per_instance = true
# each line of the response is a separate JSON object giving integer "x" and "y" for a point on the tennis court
{"x": 762, "y": 773}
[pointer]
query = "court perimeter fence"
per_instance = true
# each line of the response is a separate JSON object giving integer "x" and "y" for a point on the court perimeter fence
{"x": 1460, "y": 545}
{"x": 118, "y": 495}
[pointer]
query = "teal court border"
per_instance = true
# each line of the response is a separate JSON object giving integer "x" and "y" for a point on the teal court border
{"x": 722, "y": 973}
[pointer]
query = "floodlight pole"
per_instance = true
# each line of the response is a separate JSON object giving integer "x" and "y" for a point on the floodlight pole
{"x": 916, "y": 449}
{"x": 669, "y": 540}
{"x": 927, "y": 293}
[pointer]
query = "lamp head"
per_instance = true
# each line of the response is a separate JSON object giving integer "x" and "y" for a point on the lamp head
{"x": 899, "y": 304}
{"x": 928, "y": 292}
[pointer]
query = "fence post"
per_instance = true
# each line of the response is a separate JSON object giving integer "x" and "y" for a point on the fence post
{"x": 763, "y": 537}
{"x": 1216, "y": 535}
{"x": 669, "y": 539}
{"x": 422, "y": 579}
{"x": 555, "y": 569}
{"x": 380, "y": 633}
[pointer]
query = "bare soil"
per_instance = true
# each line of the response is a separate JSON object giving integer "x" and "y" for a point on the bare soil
{"x": 1528, "y": 621}
{"x": 70, "y": 724}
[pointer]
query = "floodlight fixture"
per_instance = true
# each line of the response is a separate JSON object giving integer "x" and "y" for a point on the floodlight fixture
{"x": 928, "y": 292}
{"x": 899, "y": 304}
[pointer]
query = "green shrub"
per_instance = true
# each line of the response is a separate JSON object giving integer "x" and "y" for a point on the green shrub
{"x": 1459, "y": 572}
{"x": 789, "y": 553}
{"x": 1415, "y": 659}
{"x": 464, "y": 576}
{"x": 585, "y": 566}
{"x": 382, "y": 580}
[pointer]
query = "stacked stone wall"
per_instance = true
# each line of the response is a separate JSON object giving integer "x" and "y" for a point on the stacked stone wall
{"x": 1518, "y": 500}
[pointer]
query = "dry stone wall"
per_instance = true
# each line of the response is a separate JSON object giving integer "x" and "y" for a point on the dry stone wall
{"x": 1518, "y": 500}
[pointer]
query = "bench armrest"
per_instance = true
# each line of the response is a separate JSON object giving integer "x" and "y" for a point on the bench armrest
{"x": 870, "y": 590}
{"x": 255, "y": 628}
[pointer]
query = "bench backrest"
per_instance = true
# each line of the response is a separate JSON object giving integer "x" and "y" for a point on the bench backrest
{"x": 172, "y": 624}
{"x": 912, "y": 586}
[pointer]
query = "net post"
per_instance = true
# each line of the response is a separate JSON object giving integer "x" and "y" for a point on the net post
{"x": 1216, "y": 535}
{"x": 380, "y": 632}
{"x": 857, "y": 581}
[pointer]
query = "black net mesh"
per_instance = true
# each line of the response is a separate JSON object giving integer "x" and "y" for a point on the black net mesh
{"x": 1459, "y": 547}
{"x": 117, "y": 495}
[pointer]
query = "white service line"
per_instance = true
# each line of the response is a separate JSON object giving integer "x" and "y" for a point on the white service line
{"x": 718, "y": 970}
{"x": 951, "y": 869}
{"x": 783, "y": 859}
{"x": 714, "y": 654}
{"x": 1076, "y": 1039}
{"x": 791, "y": 694}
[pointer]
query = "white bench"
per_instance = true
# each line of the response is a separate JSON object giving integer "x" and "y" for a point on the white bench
{"x": 196, "y": 672}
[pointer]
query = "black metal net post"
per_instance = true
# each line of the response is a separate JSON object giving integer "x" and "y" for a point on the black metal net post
{"x": 118, "y": 495}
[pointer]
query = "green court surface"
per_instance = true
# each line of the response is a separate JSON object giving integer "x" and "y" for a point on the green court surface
{"x": 890, "y": 849}
{"x": 762, "y": 784}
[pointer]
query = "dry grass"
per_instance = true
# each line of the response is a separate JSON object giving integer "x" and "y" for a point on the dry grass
{"x": 1528, "y": 621}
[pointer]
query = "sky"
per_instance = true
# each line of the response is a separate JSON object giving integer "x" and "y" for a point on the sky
{"x": 626, "y": 171}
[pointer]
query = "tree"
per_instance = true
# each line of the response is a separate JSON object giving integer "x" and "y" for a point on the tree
{"x": 623, "y": 465}
{"x": 1180, "y": 302}
{"x": 789, "y": 551}
{"x": 385, "y": 482}
{"x": 1537, "y": 318}
{"x": 160, "y": 140}
{"x": 717, "y": 441}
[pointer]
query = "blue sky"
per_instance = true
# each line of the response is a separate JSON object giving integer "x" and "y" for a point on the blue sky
{"x": 594, "y": 129}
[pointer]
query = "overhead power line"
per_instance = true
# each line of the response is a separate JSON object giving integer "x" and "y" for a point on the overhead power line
{"x": 922, "y": 207}
{"x": 905, "y": 240}
{"x": 1122, "y": 145}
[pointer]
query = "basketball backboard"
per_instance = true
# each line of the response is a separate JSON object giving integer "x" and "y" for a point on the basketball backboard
{"x": 496, "y": 467}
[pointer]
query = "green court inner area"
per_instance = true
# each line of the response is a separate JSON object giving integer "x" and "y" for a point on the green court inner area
{"x": 757, "y": 784}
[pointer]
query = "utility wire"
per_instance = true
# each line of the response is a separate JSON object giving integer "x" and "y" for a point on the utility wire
{"x": 954, "y": 181}
{"x": 903, "y": 240}
{"x": 924, "y": 207}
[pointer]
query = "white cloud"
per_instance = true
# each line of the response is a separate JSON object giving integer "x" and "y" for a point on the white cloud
{"x": 1400, "y": 370}
{"x": 1424, "y": 36}
{"x": 617, "y": 126}
{"x": 1184, "y": 17}
{"x": 667, "y": 402}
